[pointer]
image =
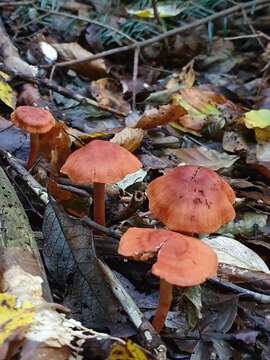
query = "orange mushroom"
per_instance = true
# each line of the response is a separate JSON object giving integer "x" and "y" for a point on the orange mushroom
{"x": 100, "y": 162}
{"x": 36, "y": 121}
{"x": 191, "y": 199}
{"x": 182, "y": 260}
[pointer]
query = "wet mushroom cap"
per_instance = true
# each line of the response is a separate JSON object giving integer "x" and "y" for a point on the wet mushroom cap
{"x": 191, "y": 267}
{"x": 143, "y": 243}
{"x": 191, "y": 199}
{"x": 100, "y": 162}
{"x": 33, "y": 119}
{"x": 181, "y": 260}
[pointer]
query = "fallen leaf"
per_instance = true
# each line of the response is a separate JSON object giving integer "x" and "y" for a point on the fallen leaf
{"x": 129, "y": 138}
{"x": 131, "y": 179}
{"x": 128, "y": 351}
{"x": 234, "y": 141}
{"x": 14, "y": 316}
{"x": 194, "y": 312}
{"x": 72, "y": 51}
{"x": 109, "y": 93}
{"x": 232, "y": 252}
{"x": 7, "y": 95}
{"x": 201, "y": 156}
{"x": 259, "y": 120}
{"x": 245, "y": 225}
{"x": 159, "y": 116}
{"x": 71, "y": 262}
{"x": 163, "y": 11}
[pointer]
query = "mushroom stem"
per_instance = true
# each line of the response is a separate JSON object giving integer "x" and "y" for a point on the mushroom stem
{"x": 165, "y": 300}
{"x": 99, "y": 203}
{"x": 34, "y": 146}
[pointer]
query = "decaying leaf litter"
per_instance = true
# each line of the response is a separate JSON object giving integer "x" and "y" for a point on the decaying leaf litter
{"x": 180, "y": 85}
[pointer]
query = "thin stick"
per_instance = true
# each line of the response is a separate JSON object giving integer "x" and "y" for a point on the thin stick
{"x": 80, "y": 18}
{"x": 16, "y": 3}
{"x": 155, "y": 11}
{"x": 92, "y": 224}
{"x": 26, "y": 177}
{"x": 248, "y": 36}
{"x": 68, "y": 93}
{"x": 135, "y": 75}
{"x": 164, "y": 35}
{"x": 260, "y": 298}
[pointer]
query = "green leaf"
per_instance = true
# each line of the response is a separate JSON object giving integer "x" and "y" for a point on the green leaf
{"x": 194, "y": 295}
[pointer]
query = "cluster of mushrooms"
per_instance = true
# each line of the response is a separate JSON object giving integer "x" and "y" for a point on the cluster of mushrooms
{"x": 188, "y": 200}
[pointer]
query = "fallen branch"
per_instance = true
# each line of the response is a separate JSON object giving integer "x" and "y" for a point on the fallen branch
{"x": 70, "y": 94}
{"x": 260, "y": 298}
{"x": 164, "y": 35}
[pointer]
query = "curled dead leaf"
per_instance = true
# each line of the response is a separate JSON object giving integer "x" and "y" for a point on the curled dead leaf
{"x": 129, "y": 138}
{"x": 72, "y": 51}
{"x": 160, "y": 116}
{"x": 109, "y": 93}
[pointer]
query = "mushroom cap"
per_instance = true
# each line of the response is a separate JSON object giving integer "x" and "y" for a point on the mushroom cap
{"x": 32, "y": 119}
{"x": 191, "y": 199}
{"x": 100, "y": 161}
{"x": 188, "y": 268}
{"x": 144, "y": 243}
{"x": 182, "y": 260}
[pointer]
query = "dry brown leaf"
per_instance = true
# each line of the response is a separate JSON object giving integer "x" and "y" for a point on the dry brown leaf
{"x": 72, "y": 51}
{"x": 201, "y": 156}
{"x": 30, "y": 95}
{"x": 129, "y": 138}
{"x": 109, "y": 93}
{"x": 160, "y": 116}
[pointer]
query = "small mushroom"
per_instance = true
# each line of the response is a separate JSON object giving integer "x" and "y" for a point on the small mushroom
{"x": 181, "y": 260}
{"x": 100, "y": 162}
{"x": 36, "y": 121}
{"x": 191, "y": 199}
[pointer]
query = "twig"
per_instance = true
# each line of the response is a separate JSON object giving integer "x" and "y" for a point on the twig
{"x": 92, "y": 224}
{"x": 26, "y": 176}
{"x": 16, "y": 3}
{"x": 164, "y": 35}
{"x": 249, "y": 36}
{"x": 70, "y": 94}
{"x": 80, "y": 18}
{"x": 155, "y": 11}
{"x": 252, "y": 29}
{"x": 135, "y": 75}
{"x": 261, "y": 298}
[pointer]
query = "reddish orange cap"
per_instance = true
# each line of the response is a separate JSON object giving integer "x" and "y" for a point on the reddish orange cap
{"x": 100, "y": 161}
{"x": 144, "y": 243}
{"x": 188, "y": 268}
{"x": 33, "y": 119}
{"x": 182, "y": 260}
{"x": 191, "y": 199}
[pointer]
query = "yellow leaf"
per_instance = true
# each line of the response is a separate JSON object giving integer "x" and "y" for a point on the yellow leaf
{"x": 130, "y": 351}
{"x": 7, "y": 95}
{"x": 13, "y": 315}
{"x": 259, "y": 120}
{"x": 163, "y": 11}
{"x": 4, "y": 76}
